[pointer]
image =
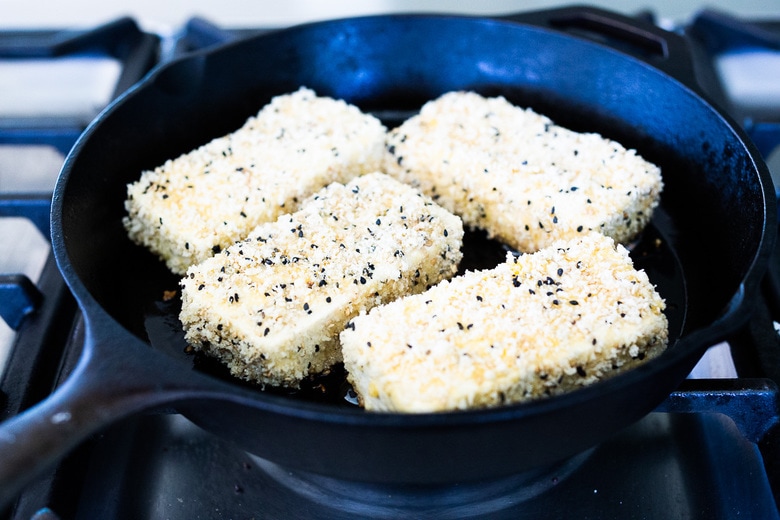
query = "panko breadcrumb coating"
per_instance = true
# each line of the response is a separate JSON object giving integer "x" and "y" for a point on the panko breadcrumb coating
{"x": 271, "y": 307}
{"x": 515, "y": 174}
{"x": 201, "y": 202}
{"x": 537, "y": 325}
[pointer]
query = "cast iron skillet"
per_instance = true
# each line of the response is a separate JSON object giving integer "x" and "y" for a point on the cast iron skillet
{"x": 706, "y": 248}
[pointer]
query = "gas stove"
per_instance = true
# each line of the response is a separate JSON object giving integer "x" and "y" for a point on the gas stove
{"x": 711, "y": 450}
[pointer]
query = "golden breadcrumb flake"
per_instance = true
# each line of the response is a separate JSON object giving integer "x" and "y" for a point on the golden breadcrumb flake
{"x": 514, "y": 173}
{"x": 192, "y": 206}
{"x": 537, "y": 325}
{"x": 271, "y": 307}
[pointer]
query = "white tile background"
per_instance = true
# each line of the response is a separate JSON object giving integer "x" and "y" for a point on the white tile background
{"x": 242, "y": 13}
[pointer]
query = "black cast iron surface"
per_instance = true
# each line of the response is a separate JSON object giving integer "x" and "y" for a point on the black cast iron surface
{"x": 370, "y": 61}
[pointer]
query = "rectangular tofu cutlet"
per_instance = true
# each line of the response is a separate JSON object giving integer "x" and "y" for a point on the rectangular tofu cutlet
{"x": 537, "y": 325}
{"x": 204, "y": 200}
{"x": 271, "y": 307}
{"x": 515, "y": 174}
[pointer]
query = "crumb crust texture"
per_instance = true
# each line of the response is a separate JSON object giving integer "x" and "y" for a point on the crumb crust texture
{"x": 537, "y": 325}
{"x": 514, "y": 173}
{"x": 271, "y": 307}
{"x": 194, "y": 205}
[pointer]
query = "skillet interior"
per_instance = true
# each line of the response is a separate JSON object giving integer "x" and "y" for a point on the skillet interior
{"x": 710, "y": 224}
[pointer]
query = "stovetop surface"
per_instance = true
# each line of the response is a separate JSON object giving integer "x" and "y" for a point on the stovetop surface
{"x": 697, "y": 466}
{"x": 665, "y": 466}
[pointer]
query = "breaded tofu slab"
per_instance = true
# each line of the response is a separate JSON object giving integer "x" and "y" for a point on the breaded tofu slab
{"x": 192, "y": 206}
{"x": 271, "y": 307}
{"x": 539, "y": 324}
{"x": 515, "y": 174}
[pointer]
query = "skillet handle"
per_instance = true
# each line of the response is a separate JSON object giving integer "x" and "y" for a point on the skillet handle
{"x": 667, "y": 51}
{"x": 106, "y": 386}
